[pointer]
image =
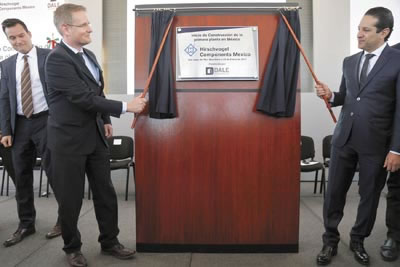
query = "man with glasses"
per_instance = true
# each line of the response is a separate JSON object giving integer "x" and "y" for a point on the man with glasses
{"x": 78, "y": 126}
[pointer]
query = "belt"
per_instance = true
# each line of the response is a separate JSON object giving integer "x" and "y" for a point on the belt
{"x": 34, "y": 116}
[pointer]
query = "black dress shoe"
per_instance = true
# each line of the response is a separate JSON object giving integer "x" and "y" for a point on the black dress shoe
{"x": 359, "y": 252}
{"x": 390, "y": 250}
{"x": 56, "y": 231}
{"x": 324, "y": 257}
{"x": 18, "y": 236}
{"x": 76, "y": 259}
{"x": 119, "y": 251}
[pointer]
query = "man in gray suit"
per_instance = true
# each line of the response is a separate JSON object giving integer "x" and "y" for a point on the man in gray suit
{"x": 24, "y": 112}
{"x": 367, "y": 133}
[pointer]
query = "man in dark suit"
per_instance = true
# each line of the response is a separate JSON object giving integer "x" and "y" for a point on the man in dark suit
{"x": 78, "y": 125}
{"x": 367, "y": 133}
{"x": 391, "y": 246}
{"x": 24, "y": 111}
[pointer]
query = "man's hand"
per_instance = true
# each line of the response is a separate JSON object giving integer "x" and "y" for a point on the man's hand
{"x": 323, "y": 91}
{"x": 136, "y": 105}
{"x": 6, "y": 141}
{"x": 108, "y": 130}
{"x": 392, "y": 162}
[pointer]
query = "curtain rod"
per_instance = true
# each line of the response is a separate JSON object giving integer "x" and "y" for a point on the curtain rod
{"x": 218, "y": 8}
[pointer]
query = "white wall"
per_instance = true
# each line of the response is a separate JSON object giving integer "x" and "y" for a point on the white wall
{"x": 331, "y": 45}
{"x": 358, "y": 9}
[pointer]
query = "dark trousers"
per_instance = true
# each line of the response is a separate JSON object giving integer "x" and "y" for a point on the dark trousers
{"x": 29, "y": 141}
{"x": 372, "y": 177}
{"x": 393, "y": 206}
{"x": 5, "y": 153}
{"x": 69, "y": 173}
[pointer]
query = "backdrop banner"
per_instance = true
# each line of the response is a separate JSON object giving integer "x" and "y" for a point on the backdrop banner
{"x": 38, "y": 17}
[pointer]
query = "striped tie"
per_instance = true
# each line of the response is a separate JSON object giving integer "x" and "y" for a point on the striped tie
{"x": 26, "y": 89}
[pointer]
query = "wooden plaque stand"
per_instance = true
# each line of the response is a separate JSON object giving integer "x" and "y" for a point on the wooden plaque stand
{"x": 221, "y": 177}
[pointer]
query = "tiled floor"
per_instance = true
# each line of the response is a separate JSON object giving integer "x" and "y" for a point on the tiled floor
{"x": 37, "y": 251}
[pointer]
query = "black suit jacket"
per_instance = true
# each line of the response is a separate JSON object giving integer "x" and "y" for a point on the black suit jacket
{"x": 371, "y": 113}
{"x": 8, "y": 95}
{"x": 77, "y": 107}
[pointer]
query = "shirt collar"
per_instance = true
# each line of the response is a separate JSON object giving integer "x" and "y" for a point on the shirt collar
{"x": 31, "y": 53}
{"x": 377, "y": 52}
{"x": 76, "y": 51}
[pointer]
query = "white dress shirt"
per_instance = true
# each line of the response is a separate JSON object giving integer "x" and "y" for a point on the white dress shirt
{"x": 372, "y": 60}
{"x": 38, "y": 98}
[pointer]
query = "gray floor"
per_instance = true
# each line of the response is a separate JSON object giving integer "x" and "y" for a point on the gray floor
{"x": 37, "y": 251}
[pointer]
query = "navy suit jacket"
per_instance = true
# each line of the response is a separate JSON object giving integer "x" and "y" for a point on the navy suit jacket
{"x": 371, "y": 113}
{"x": 8, "y": 95}
{"x": 78, "y": 108}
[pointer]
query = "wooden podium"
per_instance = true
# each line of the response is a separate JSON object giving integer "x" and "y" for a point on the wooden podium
{"x": 221, "y": 177}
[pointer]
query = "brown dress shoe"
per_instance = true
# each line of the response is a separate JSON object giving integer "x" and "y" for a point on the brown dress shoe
{"x": 18, "y": 236}
{"x": 76, "y": 259}
{"x": 56, "y": 231}
{"x": 119, "y": 251}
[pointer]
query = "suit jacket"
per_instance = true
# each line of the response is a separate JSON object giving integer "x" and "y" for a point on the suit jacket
{"x": 397, "y": 46}
{"x": 371, "y": 113}
{"x": 78, "y": 109}
{"x": 8, "y": 95}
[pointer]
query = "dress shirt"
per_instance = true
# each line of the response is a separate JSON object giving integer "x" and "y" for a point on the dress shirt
{"x": 373, "y": 60}
{"x": 38, "y": 97}
{"x": 93, "y": 70}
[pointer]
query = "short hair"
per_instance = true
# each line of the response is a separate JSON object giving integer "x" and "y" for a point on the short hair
{"x": 8, "y": 23}
{"x": 63, "y": 14}
{"x": 385, "y": 19}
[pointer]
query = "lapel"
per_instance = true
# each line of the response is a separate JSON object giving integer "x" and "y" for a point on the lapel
{"x": 78, "y": 62}
{"x": 354, "y": 65}
{"x": 41, "y": 56}
{"x": 377, "y": 67}
{"x": 91, "y": 56}
{"x": 12, "y": 75}
{"x": 41, "y": 59}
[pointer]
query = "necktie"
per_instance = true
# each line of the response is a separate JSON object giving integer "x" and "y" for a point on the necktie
{"x": 80, "y": 55}
{"x": 26, "y": 89}
{"x": 364, "y": 70}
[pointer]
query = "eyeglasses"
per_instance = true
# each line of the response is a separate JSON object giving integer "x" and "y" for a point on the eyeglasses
{"x": 83, "y": 25}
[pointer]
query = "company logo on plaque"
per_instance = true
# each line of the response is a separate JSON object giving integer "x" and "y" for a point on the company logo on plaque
{"x": 217, "y": 53}
{"x": 190, "y": 50}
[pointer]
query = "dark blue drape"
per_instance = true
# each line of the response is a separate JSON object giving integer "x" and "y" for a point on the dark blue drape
{"x": 278, "y": 92}
{"x": 162, "y": 102}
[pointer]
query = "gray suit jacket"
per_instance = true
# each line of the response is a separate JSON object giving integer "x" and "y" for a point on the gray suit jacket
{"x": 8, "y": 97}
{"x": 371, "y": 113}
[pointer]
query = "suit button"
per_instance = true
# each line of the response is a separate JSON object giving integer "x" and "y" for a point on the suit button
{"x": 351, "y": 114}
{"x": 358, "y": 98}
